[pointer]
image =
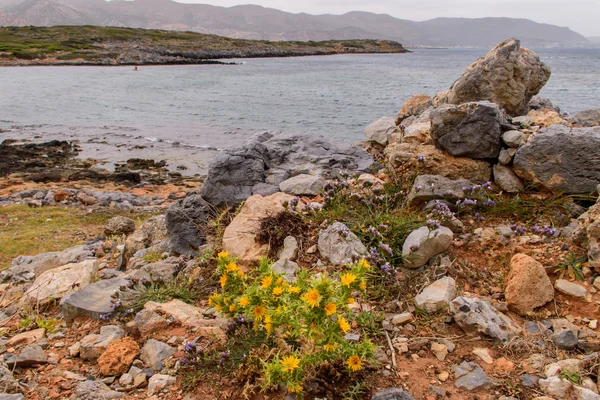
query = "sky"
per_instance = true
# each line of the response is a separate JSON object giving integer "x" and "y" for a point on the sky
{"x": 579, "y": 15}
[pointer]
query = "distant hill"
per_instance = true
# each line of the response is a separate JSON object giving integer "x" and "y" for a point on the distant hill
{"x": 594, "y": 39}
{"x": 255, "y": 22}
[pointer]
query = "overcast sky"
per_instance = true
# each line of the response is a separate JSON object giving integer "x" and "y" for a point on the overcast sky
{"x": 580, "y": 15}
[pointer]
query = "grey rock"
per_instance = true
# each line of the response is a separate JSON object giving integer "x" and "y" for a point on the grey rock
{"x": 508, "y": 75}
{"x": 159, "y": 382}
{"x": 437, "y": 295}
{"x": 565, "y": 340}
{"x": 302, "y": 185}
{"x": 506, "y": 156}
{"x": 154, "y": 354}
{"x": 469, "y": 130}
{"x": 95, "y": 390}
{"x": 529, "y": 381}
{"x": 119, "y": 225}
{"x": 540, "y": 103}
{"x": 27, "y": 268}
{"x": 524, "y": 121}
{"x": 4, "y": 396}
{"x": 339, "y": 245}
{"x": 507, "y": 179}
{"x": 92, "y": 346}
{"x": 286, "y": 267}
{"x": 30, "y": 355}
{"x": 147, "y": 321}
{"x": 93, "y": 300}
{"x": 431, "y": 187}
{"x": 470, "y": 376}
{"x": 392, "y": 394}
{"x": 514, "y": 138}
{"x": 588, "y": 118}
{"x": 422, "y": 244}
{"x": 152, "y": 232}
{"x": 276, "y": 176}
{"x": 290, "y": 249}
{"x": 8, "y": 383}
{"x": 187, "y": 221}
{"x": 234, "y": 172}
{"x": 474, "y": 315}
{"x": 380, "y": 130}
{"x": 159, "y": 271}
{"x": 570, "y": 289}
{"x": 561, "y": 159}
{"x": 265, "y": 189}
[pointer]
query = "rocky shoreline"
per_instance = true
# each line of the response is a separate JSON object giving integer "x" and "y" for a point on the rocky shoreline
{"x": 462, "y": 240}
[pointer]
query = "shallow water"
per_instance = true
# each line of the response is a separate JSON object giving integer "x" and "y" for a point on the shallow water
{"x": 184, "y": 113}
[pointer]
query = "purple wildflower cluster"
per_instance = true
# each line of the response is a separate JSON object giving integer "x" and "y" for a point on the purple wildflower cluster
{"x": 344, "y": 231}
{"x": 518, "y": 229}
{"x": 545, "y": 231}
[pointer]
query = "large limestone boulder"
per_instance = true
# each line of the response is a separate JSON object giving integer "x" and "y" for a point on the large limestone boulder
{"x": 187, "y": 221}
{"x": 508, "y": 75}
{"x": 239, "y": 238}
{"x": 404, "y": 159}
{"x": 339, "y": 245}
{"x": 561, "y": 159}
{"x": 414, "y": 106}
{"x": 469, "y": 130}
{"x": 380, "y": 130}
{"x": 527, "y": 285}
{"x": 266, "y": 158}
{"x": 56, "y": 283}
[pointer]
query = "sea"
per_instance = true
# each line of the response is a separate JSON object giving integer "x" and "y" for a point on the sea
{"x": 184, "y": 114}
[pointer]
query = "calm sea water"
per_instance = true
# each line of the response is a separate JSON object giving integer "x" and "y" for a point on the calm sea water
{"x": 183, "y": 113}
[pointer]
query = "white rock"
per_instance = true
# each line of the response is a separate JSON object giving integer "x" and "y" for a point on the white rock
{"x": 302, "y": 185}
{"x": 437, "y": 295}
{"x": 484, "y": 355}
{"x": 401, "y": 319}
{"x": 159, "y": 382}
{"x": 421, "y": 245}
{"x": 555, "y": 387}
{"x": 380, "y": 130}
{"x": 571, "y": 289}
{"x": 439, "y": 350}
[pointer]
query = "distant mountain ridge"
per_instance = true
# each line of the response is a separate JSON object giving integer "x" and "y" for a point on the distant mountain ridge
{"x": 255, "y": 22}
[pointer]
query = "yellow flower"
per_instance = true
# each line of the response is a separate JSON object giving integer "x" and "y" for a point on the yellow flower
{"x": 279, "y": 281}
{"x": 344, "y": 325}
{"x": 350, "y": 300}
{"x": 290, "y": 363}
{"x": 231, "y": 267}
{"x": 244, "y": 302}
{"x": 266, "y": 282}
{"x": 329, "y": 346}
{"x": 240, "y": 273}
{"x": 218, "y": 307}
{"x": 223, "y": 280}
{"x": 363, "y": 285}
{"x": 232, "y": 308}
{"x": 277, "y": 291}
{"x": 312, "y": 298}
{"x": 330, "y": 309}
{"x": 268, "y": 324}
{"x": 294, "y": 388}
{"x": 354, "y": 363}
{"x": 259, "y": 312}
{"x": 294, "y": 289}
{"x": 348, "y": 279}
{"x": 364, "y": 264}
{"x": 223, "y": 255}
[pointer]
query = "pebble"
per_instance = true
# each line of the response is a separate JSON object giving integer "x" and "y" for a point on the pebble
{"x": 439, "y": 350}
{"x": 484, "y": 355}
{"x": 401, "y": 319}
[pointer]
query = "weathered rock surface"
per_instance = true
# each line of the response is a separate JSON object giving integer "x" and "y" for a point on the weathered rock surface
{"x": 302, "y": 185}
{"x": 187, "y": 221}
{"x": 508, "y": 75}
{"x": 57, "y": 282}
{"x": 239, "y": 238}
{"x": 339, "y": 245}
{"x": 157, "y": 271}
{"x": 474, "y": 315}
{"x": 30, "y": 355}
{"x": 8, "y": 383}
{"x": 233, "y": 173}
{"x": 154, "y": 354}
{"x": 185, "y": 314}
{"x": 587, "y": 234}
{"x": 27, "y": 268}
{"x": 469, "y": 130}
{"x": 118, "y": 356}
{"x": 404, "y": 158}
{"x": 507, "y": 180}
{"x": 92, "y": 346}
{"x": 159, "y": 382}
{"x": 540, "y": 103}
{"x": 571, "y": 289}
{"x": 392, "y": 394}
{"x": 152, "y": 232}
{"x": 431, "y": 187}
{"x": 527, "y": 285}
{"x": 565, "y": 340}
{"x": 588, "y": 118}
{"x": 415, "y": 105}
{"x": 437, "y": 295}
{"x": 513, "y": 139}
{"x": 119, "y": 225}
{"x": 470, "y": 376}
{"x": 380, "y": 130}
{"x": 422, "y": 244}
{"x": 95, "y": 390}
{"x": 147, "y": 322}
{"x": 561, "y": 159}
{"x": 93, "y": 300}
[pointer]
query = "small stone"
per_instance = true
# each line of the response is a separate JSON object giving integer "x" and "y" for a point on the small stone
{"x": 555, "y": 387}
{"x": 26, "y": 338}
{"x": 74, "y": 349}
{"x": 119, "y": 225}
{"x": 528, "y": 285}
{"x": 513, "y": 138}
{"x": 118, "y": 357}
{"x": 565, "y": 340}
{"x": 29, "y": 356}
{"x": 443, "y": 376}
{"x": 159, "y": 382}
{"x": 148, "y": 322}
{"x": 474, "y": 315}
{"x": 125, "y": 380}
{"x": 95, "y": 390}
{"x": 484, "y": 355}
{"x": 140, "y": 381}
{"x": 437, "y": 295}
{"x": 439, "y": 350}
{"x": 529, "y": 381}
{"x": 392, "y": 394}
{"x": 593, "y": 324}
{"x": 302, "y": 185}
{"x": 470, "y": 376}
{"x": 154, "y": 354}
{"x": 92, "y": 346}
{"x": 422, "y": 244}
{"x": 571, "y": 289}
{"x": 504, "y": 366}
{"x": 401, "y": 319}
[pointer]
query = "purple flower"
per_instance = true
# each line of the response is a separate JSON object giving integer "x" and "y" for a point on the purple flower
{"x": 386, "y": 268}
{"x": 488, "y": 203}
{"x": 374, "y": 255}
{"x": 421, "y": 158}
{"x": 418, "y": 188}
{"x": 479, "y": 217}
{"x": 468, "y": 188}
{"x": 386, "y": 249}
{"x": 518, "y": 230}
{"x": 487, "y": 185}
{"x": 414, "y": 247}
{"x": 442, "y": 211}
{"x": 548, "y": 231}
{"x": 536, "y": 229}
{"x": 433, "y": 224}
{"x": 189, "y": 347}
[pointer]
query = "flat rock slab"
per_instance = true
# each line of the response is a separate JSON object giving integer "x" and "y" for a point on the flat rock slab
{"x": 432, "y": 187}
{"x": 94, "y": 300}
{"x": 474, "y": 315}
{"x": 185, "y": 314}
{"x": 562, "y": 159}
{"x": 303, "y": 185}
{"x": 571, "y": 289}
{"x": 30, "y": 355}
{"x": 154, "y": 354}
{"x": 392, "y": 394}
{"x": 470, "y": 376}
{"x": 437, "y": 295}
